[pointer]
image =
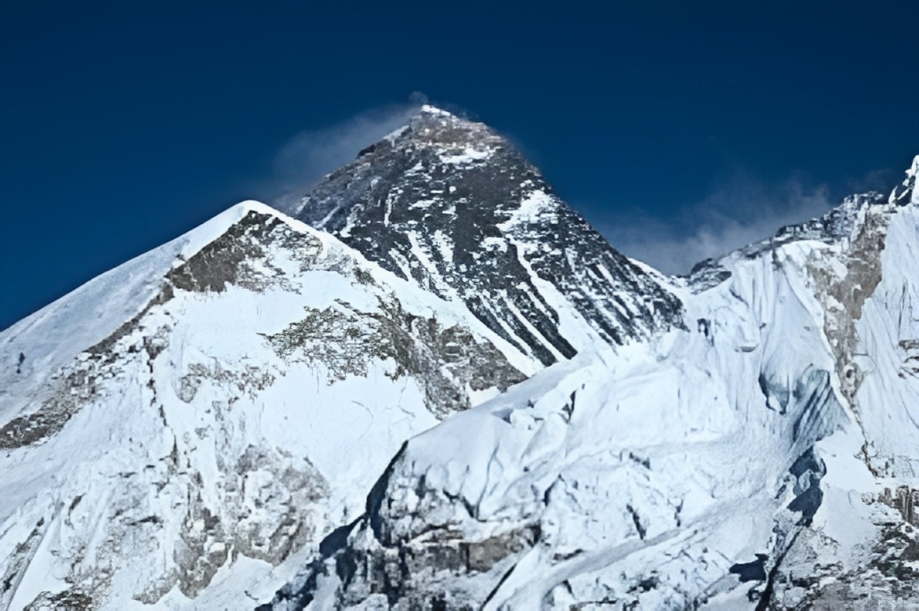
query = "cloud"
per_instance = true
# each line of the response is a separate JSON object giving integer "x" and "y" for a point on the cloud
{"x": 312, "y": 154}
{"x": 743, "y": 210}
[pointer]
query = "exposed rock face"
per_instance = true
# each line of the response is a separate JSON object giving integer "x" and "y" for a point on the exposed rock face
{"x": 448, "y": 362}
{"x": 453, "y": 206}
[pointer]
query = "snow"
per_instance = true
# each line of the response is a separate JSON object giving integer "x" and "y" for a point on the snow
{"x": 530, "y": 211}
{"x": 213, "y": 410}
{"x": 468, "y": 156}
{"x": 433, "y": 110}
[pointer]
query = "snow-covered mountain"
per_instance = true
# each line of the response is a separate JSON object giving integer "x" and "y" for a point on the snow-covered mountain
{"x": 183, "y": 431}
{"x": 438, "y": 388}
{"x": 175, "y": 432}
{"x": 765, "y": 458}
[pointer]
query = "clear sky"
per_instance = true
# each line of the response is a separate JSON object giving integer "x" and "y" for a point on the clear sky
{"x": 677, "y": 128}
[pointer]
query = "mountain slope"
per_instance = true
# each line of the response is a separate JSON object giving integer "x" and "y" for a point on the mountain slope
{"x": 172, "y": 433}
{"x": 763, "y": 459}
{"x": 455, "y": 207}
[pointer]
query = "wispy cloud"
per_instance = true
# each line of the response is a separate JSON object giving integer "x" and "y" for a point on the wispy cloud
{"x": 312, "y": 154}
{"x": 743, "y": 210}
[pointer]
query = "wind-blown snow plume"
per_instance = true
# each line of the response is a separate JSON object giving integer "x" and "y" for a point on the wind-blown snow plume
{"x": 311, "y": 154}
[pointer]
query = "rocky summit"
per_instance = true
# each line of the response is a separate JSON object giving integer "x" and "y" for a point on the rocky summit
{"x": 455, "y": 208}
{"x": 434, "y": 386}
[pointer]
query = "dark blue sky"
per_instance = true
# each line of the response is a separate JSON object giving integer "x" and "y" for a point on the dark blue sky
{"x": 675, "y": 127}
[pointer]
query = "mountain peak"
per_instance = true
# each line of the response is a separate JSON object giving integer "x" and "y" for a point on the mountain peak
{"x": 454, "y": 206}
{"x": 453, "y": 139}
{"x": 457, "y": 141}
